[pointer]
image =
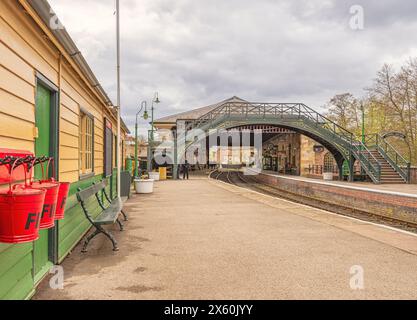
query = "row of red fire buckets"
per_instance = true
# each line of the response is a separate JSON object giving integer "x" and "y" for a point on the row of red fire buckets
{"x": 32, "y": 206}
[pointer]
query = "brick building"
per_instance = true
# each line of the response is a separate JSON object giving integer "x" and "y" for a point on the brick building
{"x": 283, "y": 150}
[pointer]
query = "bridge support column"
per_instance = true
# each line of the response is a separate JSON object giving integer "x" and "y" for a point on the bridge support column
{"x": 351, "y": 168}
{"x": 340, "y": 167}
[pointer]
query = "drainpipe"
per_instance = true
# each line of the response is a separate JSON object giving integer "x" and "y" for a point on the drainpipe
{"x": 118, "y": 98}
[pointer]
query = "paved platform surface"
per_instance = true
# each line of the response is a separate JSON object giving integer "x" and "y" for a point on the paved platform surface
{"x": 202, "y": 239}
{"x": 410, "y": 189}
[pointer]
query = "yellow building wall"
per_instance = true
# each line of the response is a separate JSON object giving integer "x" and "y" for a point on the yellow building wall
{"x": 307, "y": 156}
{"x": 310, "y": 158}
{"x": 23, "y": 52}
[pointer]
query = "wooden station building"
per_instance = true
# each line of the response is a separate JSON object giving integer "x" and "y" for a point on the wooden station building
{"x": 51, "y": 104}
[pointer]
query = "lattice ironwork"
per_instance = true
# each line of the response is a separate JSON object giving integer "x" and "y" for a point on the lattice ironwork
{"x": 294, "y": 115}
{"x": 264, "y": 128}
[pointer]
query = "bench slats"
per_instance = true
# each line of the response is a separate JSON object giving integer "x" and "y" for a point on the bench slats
{"x": 83, "y": 195}
{"x": 110, "y": 215}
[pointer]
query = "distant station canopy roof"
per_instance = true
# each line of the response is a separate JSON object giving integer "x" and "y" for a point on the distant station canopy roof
{"x": 195, "y": 113}
{"x": 170, "y": 121}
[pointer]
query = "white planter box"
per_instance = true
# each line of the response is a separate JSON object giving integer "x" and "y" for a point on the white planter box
{"x": 328, "y": 176}
{"x": 144, "y": 185}
{"x": 154, "y": 175}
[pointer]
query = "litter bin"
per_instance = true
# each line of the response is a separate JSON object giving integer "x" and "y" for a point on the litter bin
{"x": 162, "y": 173}
{"x": 345, "y": 170}
{"x": 129, "y": 165}
{"x": 125, "y": 183}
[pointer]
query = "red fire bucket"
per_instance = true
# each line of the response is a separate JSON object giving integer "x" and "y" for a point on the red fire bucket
{"x": 62, "y": 200}
{"x": 51, "y": 197}
{"x": 20, "y": 212}
{"x": 49, "y": 206}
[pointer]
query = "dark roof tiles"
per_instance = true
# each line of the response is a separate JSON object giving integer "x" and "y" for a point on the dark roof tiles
{"x": 196, "y": 113}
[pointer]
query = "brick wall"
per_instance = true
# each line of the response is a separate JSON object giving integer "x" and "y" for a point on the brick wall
{"x": 389, "y": 205}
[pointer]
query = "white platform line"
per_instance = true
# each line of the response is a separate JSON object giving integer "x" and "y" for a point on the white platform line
{"x": 402, "y": 194}
{"x": 324, "y": 211}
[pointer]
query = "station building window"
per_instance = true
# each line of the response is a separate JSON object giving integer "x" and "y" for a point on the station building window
{"x": 328, "y": 162}
{"x": 86, "y": 144}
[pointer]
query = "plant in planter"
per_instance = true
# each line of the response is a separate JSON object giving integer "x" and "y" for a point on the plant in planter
{"x": 144, "y": 184}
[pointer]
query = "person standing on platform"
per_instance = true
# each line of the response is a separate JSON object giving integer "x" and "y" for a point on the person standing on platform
{"x": 185, "y": 170}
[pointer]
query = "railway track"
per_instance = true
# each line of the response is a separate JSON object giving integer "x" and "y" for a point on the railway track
{"x": 238, "y": 179}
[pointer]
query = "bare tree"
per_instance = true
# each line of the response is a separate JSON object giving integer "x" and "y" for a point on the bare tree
{"x": 344, "y": 109}
{"x": 396, "y": 93}
{"x": 390, "y": 105}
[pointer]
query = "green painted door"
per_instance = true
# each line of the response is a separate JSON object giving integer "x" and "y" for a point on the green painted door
{"x": 42, "y": 148}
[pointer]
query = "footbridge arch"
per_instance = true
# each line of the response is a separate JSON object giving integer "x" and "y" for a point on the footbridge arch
{"x": 294, "y": 116}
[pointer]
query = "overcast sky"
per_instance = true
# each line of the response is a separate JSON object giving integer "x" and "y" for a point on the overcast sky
{"x": 199, "y": 52}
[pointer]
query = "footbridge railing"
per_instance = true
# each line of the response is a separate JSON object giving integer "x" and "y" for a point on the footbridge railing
{"x": 390, "y": 153}
{"x": 293, "y": 112}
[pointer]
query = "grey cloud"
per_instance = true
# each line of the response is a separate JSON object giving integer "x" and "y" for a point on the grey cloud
{"x": 197, "y": 52}
{"x": 378, "y": 13}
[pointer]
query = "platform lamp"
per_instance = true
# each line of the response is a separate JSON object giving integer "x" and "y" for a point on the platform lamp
{"x": 362, "y": 107}
{"x": 145, "y": 116}
{"x": 150, "y": 150}
{"x": 157, "y": 101}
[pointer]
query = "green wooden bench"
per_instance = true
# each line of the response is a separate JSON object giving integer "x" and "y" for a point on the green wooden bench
{"x": 108, "y": 215}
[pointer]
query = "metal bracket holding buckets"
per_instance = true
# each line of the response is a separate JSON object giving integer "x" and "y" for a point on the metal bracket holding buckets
{"x": 27, "y": 208}
{"x": 54, "y": 206}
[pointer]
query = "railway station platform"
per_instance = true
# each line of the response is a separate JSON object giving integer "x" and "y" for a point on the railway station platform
{"x": 405, "y": 189}
{"x": 388, "y": 202}
{"x": 204, "y": 239}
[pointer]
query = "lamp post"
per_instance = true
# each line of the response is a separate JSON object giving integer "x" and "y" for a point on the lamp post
{"x": 154, "y": 100}
{"x": 150, "y": 151}
{"x": 363, "y": 123}
{"x": 145, "y": 116}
